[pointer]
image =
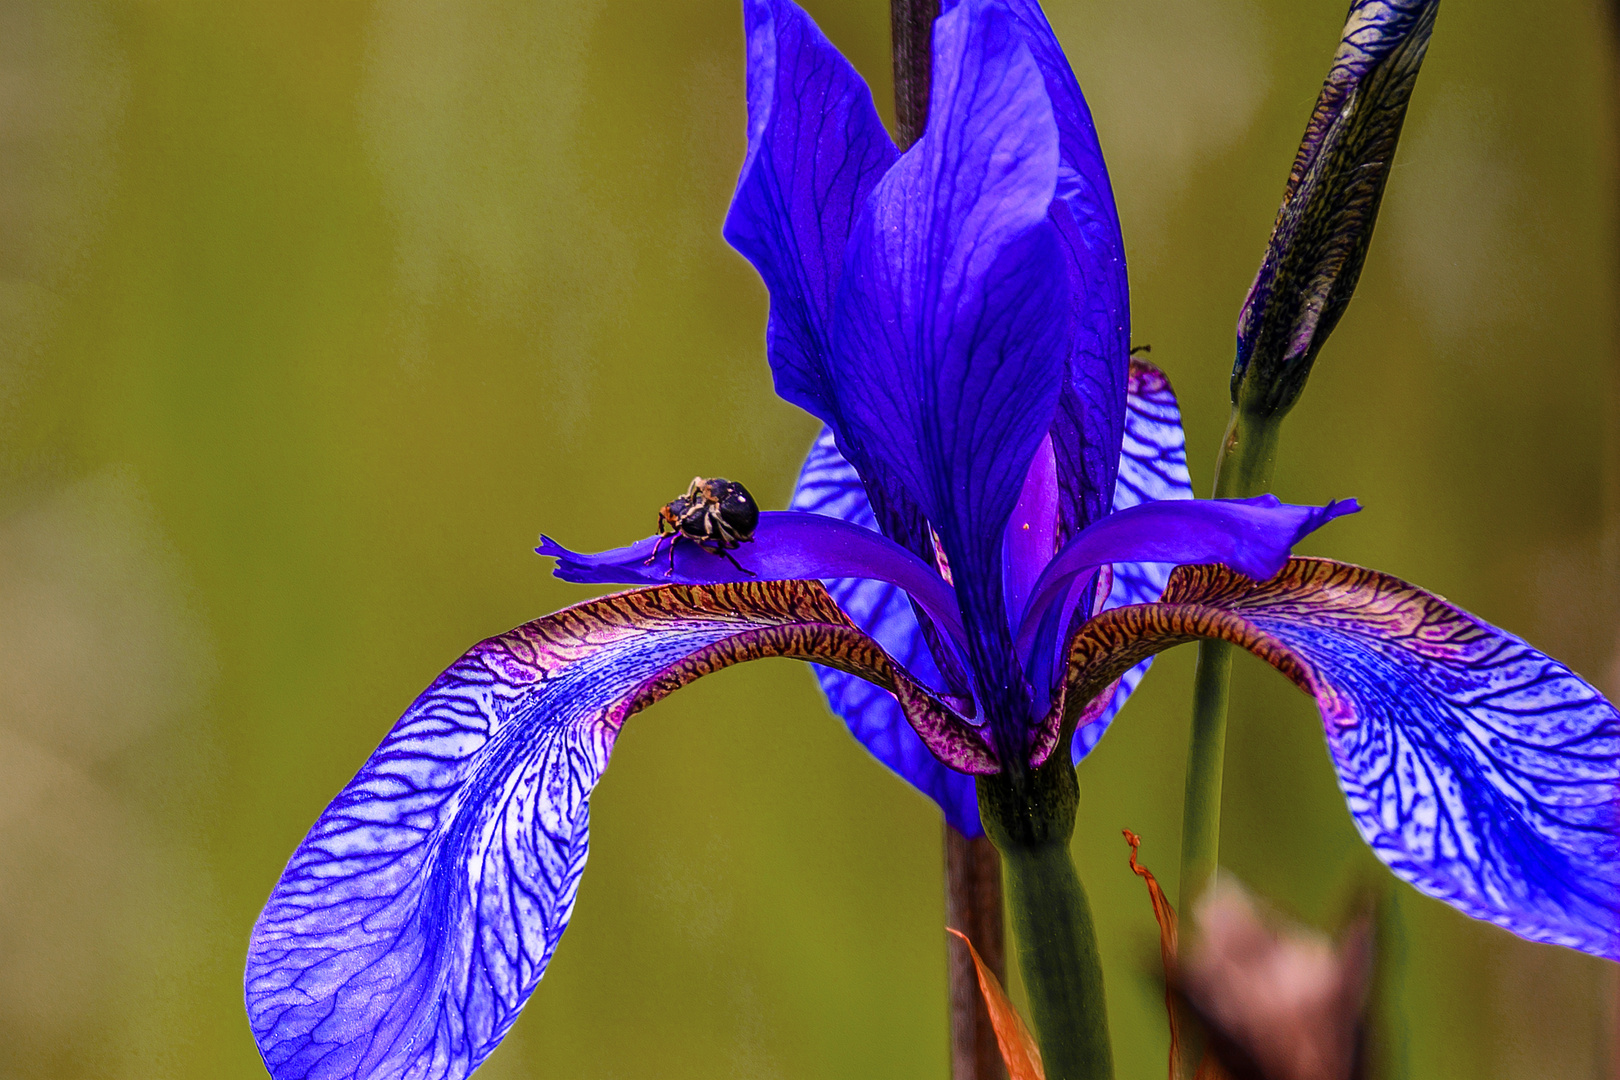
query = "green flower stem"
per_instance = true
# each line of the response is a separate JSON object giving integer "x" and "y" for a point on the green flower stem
{"x": 1030, "y": 819}
{"x": 1244, "y": 468}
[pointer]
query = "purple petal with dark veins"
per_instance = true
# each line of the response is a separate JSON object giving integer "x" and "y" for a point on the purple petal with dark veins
{"x": 1481, "y": 771}
{"x": 787, "y": 546}
{"x": 1090, "y": 410}
{"x": 829, "y": 485}
{"x": 951, "y": 326}
{"x": 419, "y": 913}
{"x": 1152, "y": 468}
{"x": 1252, "y": 536}
{"x": 815, "y": 149}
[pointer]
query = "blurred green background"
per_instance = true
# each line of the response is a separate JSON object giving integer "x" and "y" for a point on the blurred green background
{"x": 314, "y": 314}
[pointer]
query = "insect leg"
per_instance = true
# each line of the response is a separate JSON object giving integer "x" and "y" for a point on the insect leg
{"x": 648, "y": 561}
{"x": 729, "y": 557}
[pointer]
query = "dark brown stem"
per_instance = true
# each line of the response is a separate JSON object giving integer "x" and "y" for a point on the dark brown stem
{"x": 973, "y": 906}
{"x": 911, "y": 31}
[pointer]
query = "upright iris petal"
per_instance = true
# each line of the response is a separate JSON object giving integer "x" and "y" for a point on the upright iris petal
{"x": 1090, "y": 414}
{"x": 816, "y": 147}
{"x": 951, "y": 321}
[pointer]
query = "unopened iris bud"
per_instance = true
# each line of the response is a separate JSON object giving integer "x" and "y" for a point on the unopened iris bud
{"x": 1326, "y": 221}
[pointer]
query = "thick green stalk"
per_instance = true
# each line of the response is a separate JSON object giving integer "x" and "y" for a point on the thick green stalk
{"x": 1244, "y": 468}
{"x": 1031, "y": 819}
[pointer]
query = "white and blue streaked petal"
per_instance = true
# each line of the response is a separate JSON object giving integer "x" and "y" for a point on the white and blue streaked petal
{"x": 1152, "y": 466}
{"x": 828, "y": 484}
{"x": 1481, "y": 771}
{"x": 418, "y": 915}
{"x": 1153, "y": 457}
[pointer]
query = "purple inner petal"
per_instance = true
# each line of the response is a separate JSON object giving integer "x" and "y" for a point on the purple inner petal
{"x": 786, "y": 546}
{"x": 1091, "y": 409}
{"x": 1252, "y": 536}
{"x": 1032, "y": 531}
{"x": 951, "y": 326}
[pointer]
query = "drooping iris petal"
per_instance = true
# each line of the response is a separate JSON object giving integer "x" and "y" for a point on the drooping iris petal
{"x": 828, "y": 484}
{"x": 1481, "y": 771}
{"x": 786, "y": 546}
{"x": 1152, "y": 467}
{"x": 1252, "y": 536}
{"x": 951, "y": 320}
{"x": 415, "y": 919}
{"x": 815, "y": 149}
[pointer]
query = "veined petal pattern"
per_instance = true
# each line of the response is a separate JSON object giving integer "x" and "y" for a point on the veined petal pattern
{"x": 416, "y": 918}
{"x": 1481, "y": 771}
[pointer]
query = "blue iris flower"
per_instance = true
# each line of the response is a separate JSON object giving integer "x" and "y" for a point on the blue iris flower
{"x": 989, "y": 540}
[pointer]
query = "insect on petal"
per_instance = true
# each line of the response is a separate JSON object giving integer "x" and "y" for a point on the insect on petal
{"x": 419, "y": 913}
{"x": 786, "y": 546}
{"x": 1481, "y": 771}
